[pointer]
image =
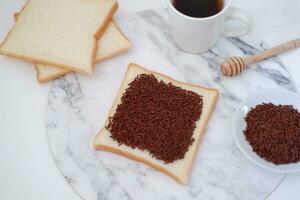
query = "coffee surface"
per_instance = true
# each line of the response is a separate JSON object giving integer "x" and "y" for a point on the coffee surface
{"x": 199, "y": 8}
{"x": 157, "y": 117}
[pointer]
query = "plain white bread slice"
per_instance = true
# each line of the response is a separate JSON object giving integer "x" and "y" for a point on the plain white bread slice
{"x": 46, "y": 73}
{"x": 180, "y": 169}
{"x": 60, "y": 33}
{"x": 111, "y": 43}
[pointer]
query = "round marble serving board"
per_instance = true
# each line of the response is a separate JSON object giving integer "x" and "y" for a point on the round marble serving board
{"x": 77, "y": 108}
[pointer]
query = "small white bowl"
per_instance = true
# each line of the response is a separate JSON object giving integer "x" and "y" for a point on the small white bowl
{"x": 278, "y": 96}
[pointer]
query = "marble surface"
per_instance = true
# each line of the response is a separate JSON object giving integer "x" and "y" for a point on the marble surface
{"x": 27, "y": 165}
{"x": 77, "y": 106}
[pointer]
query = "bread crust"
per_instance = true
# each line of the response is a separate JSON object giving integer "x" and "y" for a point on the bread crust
{"x": 202, "y": 130}
{"x": 139, "y": 159}
{"x": 173, "y": 80}
{"x": 98, "y": 59}
{"x": 96, "y": 35}
{"x": 9, "y": 32}
{"x": 149, "y": 163}
{"x": 122, "y": 50}
{"x": 49, "y": 77}
{"x": 100, "y": 33}
{"x": 101, "y": 58}
{"x": 166, "y": 76}
{"x": 66, "y": 71}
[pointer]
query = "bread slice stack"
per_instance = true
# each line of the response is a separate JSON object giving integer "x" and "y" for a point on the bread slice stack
{"x": 64, "y": 36}
{"x": 179, "y": 169}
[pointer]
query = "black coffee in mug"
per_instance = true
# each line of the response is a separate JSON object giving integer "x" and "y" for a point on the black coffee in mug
{"x": 199, "y": 8}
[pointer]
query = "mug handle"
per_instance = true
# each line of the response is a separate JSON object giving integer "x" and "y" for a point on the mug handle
{"x": 237, "y": 14}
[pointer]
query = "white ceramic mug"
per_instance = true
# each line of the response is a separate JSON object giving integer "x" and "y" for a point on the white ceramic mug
{"x": 197, "y": 35}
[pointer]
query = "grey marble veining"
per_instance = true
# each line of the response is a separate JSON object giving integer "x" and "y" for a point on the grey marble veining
{"x": 77, "y": 108}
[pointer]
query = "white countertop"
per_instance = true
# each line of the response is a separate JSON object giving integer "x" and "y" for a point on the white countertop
{"x": 27, "y": 169}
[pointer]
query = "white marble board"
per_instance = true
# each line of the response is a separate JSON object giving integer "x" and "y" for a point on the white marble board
{"x": 77, "y": 107}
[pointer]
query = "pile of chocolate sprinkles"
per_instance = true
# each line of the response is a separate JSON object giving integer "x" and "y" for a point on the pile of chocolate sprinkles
{"x": 157, "y": 117}
{"x": 273, "y": 131}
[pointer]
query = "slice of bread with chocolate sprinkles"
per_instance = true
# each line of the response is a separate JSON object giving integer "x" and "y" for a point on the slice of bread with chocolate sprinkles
{"x": 158, "y": 121}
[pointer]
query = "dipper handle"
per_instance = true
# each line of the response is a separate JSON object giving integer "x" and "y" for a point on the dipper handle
{"x": 235, "y": 65}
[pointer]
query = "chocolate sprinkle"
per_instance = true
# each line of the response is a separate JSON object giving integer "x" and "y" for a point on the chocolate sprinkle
{"x": 274, "y": 132}
{"x": 157, "y": 117}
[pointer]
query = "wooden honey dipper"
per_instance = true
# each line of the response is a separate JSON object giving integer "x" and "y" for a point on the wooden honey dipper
{"x": 235, "y": 65}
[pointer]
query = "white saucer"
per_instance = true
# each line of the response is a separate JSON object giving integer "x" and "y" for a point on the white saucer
{"x": 276, "y": 97}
